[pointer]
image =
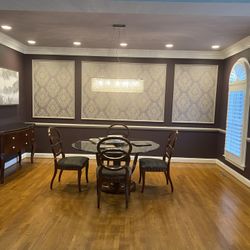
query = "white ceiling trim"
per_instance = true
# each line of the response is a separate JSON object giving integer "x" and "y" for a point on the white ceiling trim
{"x": 237, "y": 47}
{"x": 11, "y": 43}
{"x": 232, "y": 50}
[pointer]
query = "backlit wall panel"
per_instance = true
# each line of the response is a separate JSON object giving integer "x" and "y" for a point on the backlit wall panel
{"x": 146, "y": 105}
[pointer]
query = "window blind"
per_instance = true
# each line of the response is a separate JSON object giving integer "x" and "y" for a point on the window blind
{"x": 235, "y": 119}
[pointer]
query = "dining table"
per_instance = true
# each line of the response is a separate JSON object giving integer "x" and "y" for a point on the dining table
{"x": 139, "y": 147}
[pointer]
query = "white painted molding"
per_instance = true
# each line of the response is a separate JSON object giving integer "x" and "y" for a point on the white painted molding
{"x": 185, "y": 54}
{"x": 50, "y": 155}
{"x": 125, "y": 53}
{"x": 73, "y": 125}
{"x": 235, "y": 174}
{"x": 223, "y": 131}
{"x": 237, "y": 47}
{"x": 12, "y": 43}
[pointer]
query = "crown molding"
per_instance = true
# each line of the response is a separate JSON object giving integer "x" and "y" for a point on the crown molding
{"x": 237, "y": 47}
{"x": 133, "y": 53}
{"x": 12, "y": 43}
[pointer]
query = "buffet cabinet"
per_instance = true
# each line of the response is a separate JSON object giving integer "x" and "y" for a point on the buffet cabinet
{"x": 14, "y": 140}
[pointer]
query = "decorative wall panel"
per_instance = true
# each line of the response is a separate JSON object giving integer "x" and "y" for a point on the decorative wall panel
{"x": 194, "y": 93}
{"x": 53, "y": 89}
{"x": 145, "y": 105}
{"x": 9, "y": 87}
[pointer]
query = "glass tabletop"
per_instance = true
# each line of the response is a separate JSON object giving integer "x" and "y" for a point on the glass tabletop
{"x": 138, "y": 146}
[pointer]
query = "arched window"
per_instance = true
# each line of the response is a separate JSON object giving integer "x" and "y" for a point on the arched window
{"x": 237, "y": 113}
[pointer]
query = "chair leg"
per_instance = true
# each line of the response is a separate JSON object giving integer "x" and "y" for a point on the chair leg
{"x": 129, "y": 186}
{"x": 52, "y": 180}
{"x": 60, "y": 175}
{"x": 87, "y": 172}
{"x": 98, "y": 189}
{"x": 166, "y": 177}
{"x": 143, "y": 180}
{"x": 171, "y": 183}
{"x": 139, "y": 175}
{"x": 126, "y": 192}
{"x": 172, "y": 187}
{"x": 79, "y": 179}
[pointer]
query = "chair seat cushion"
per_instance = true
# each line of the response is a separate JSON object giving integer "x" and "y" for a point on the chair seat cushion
{"x": 150, "y": 164}
{"x": 112, "y": 173}
{"x": 74, "y": 162}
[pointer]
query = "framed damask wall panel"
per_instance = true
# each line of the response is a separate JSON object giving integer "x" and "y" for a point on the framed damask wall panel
{"x": 194, "y": 93}
{"x": 9, "y": 87}
{"x": 123, "y": 91}
{"x": 53, "y": 89}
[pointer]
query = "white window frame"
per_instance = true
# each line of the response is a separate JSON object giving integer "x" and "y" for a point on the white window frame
{"x": 240, "y": 161}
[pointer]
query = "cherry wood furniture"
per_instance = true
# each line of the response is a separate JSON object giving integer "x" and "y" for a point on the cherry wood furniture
{"x": 138, "y": 148}
{"x": 159, "y": 165}
{"x": 113, "y": 159}
{"x": 15, "y": 139}
{"x": 62, "y": 162}
{"x": 118, "y": 129}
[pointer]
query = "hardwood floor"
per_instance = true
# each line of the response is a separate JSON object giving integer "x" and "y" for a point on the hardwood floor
{"x": 209, "y": 209}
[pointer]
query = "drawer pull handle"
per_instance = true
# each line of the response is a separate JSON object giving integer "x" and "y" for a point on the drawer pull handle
{"x": 13, "y": 137}
{"x": 26, "y": 134}
{"x": 26, "y": 143}
{"x": 13, "y": 147}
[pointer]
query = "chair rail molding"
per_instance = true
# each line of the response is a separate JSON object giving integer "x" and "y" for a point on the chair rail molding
{"x": 136, "y": 127}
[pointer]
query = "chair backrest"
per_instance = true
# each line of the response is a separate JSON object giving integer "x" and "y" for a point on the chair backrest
{"x": 118, "y": 129}
{"x": 170, "y": 145}
{"x": 113, "y": 153}
{"x": 55, "y": 142}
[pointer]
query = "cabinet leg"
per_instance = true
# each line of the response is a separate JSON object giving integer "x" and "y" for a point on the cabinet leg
{"x": 19, "y": 157}
{"x": 32, "y": 153}
{"x": 1, "y": 171}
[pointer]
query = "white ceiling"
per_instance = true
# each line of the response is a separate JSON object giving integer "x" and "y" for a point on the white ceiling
{"x": 190, "y": 25}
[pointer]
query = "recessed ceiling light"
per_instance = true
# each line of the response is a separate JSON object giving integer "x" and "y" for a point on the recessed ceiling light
{"x": 215, "y": 46}
{"x": 123, "y": 44}
{"x": 6, "y": 27}
{"x": 32, "y": 42}
{"x": 77, "y": 43}
{"x": 169, "y": 45}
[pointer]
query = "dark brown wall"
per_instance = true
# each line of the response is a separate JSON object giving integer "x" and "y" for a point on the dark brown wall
{"x": 10, "y": 59}
{"x": 190, "y": 144}
{"x": 229, "y": 62}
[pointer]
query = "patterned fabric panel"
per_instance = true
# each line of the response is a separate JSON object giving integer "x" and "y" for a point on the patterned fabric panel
{"x": 53, "y": 89}
{"x": 9, "y": 87}
{"x": 147, "y": 105}
{"x": 194, "y": 93}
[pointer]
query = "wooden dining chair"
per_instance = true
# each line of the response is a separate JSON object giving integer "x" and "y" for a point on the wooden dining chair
{"x": 61, "y": 162}
{"x": 118, "y": 129}
{"x": 159, "y": 165}
{"x": 113, "y": 159}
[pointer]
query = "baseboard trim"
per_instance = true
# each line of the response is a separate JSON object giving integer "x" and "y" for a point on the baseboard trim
{"x": 235, "y": 174}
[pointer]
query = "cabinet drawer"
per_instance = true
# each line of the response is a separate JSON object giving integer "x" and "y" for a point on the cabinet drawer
{"x": 11, "y": 143}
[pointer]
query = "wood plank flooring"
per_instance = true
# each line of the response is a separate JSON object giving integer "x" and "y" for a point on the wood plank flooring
{"x": 209, "y": 209}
